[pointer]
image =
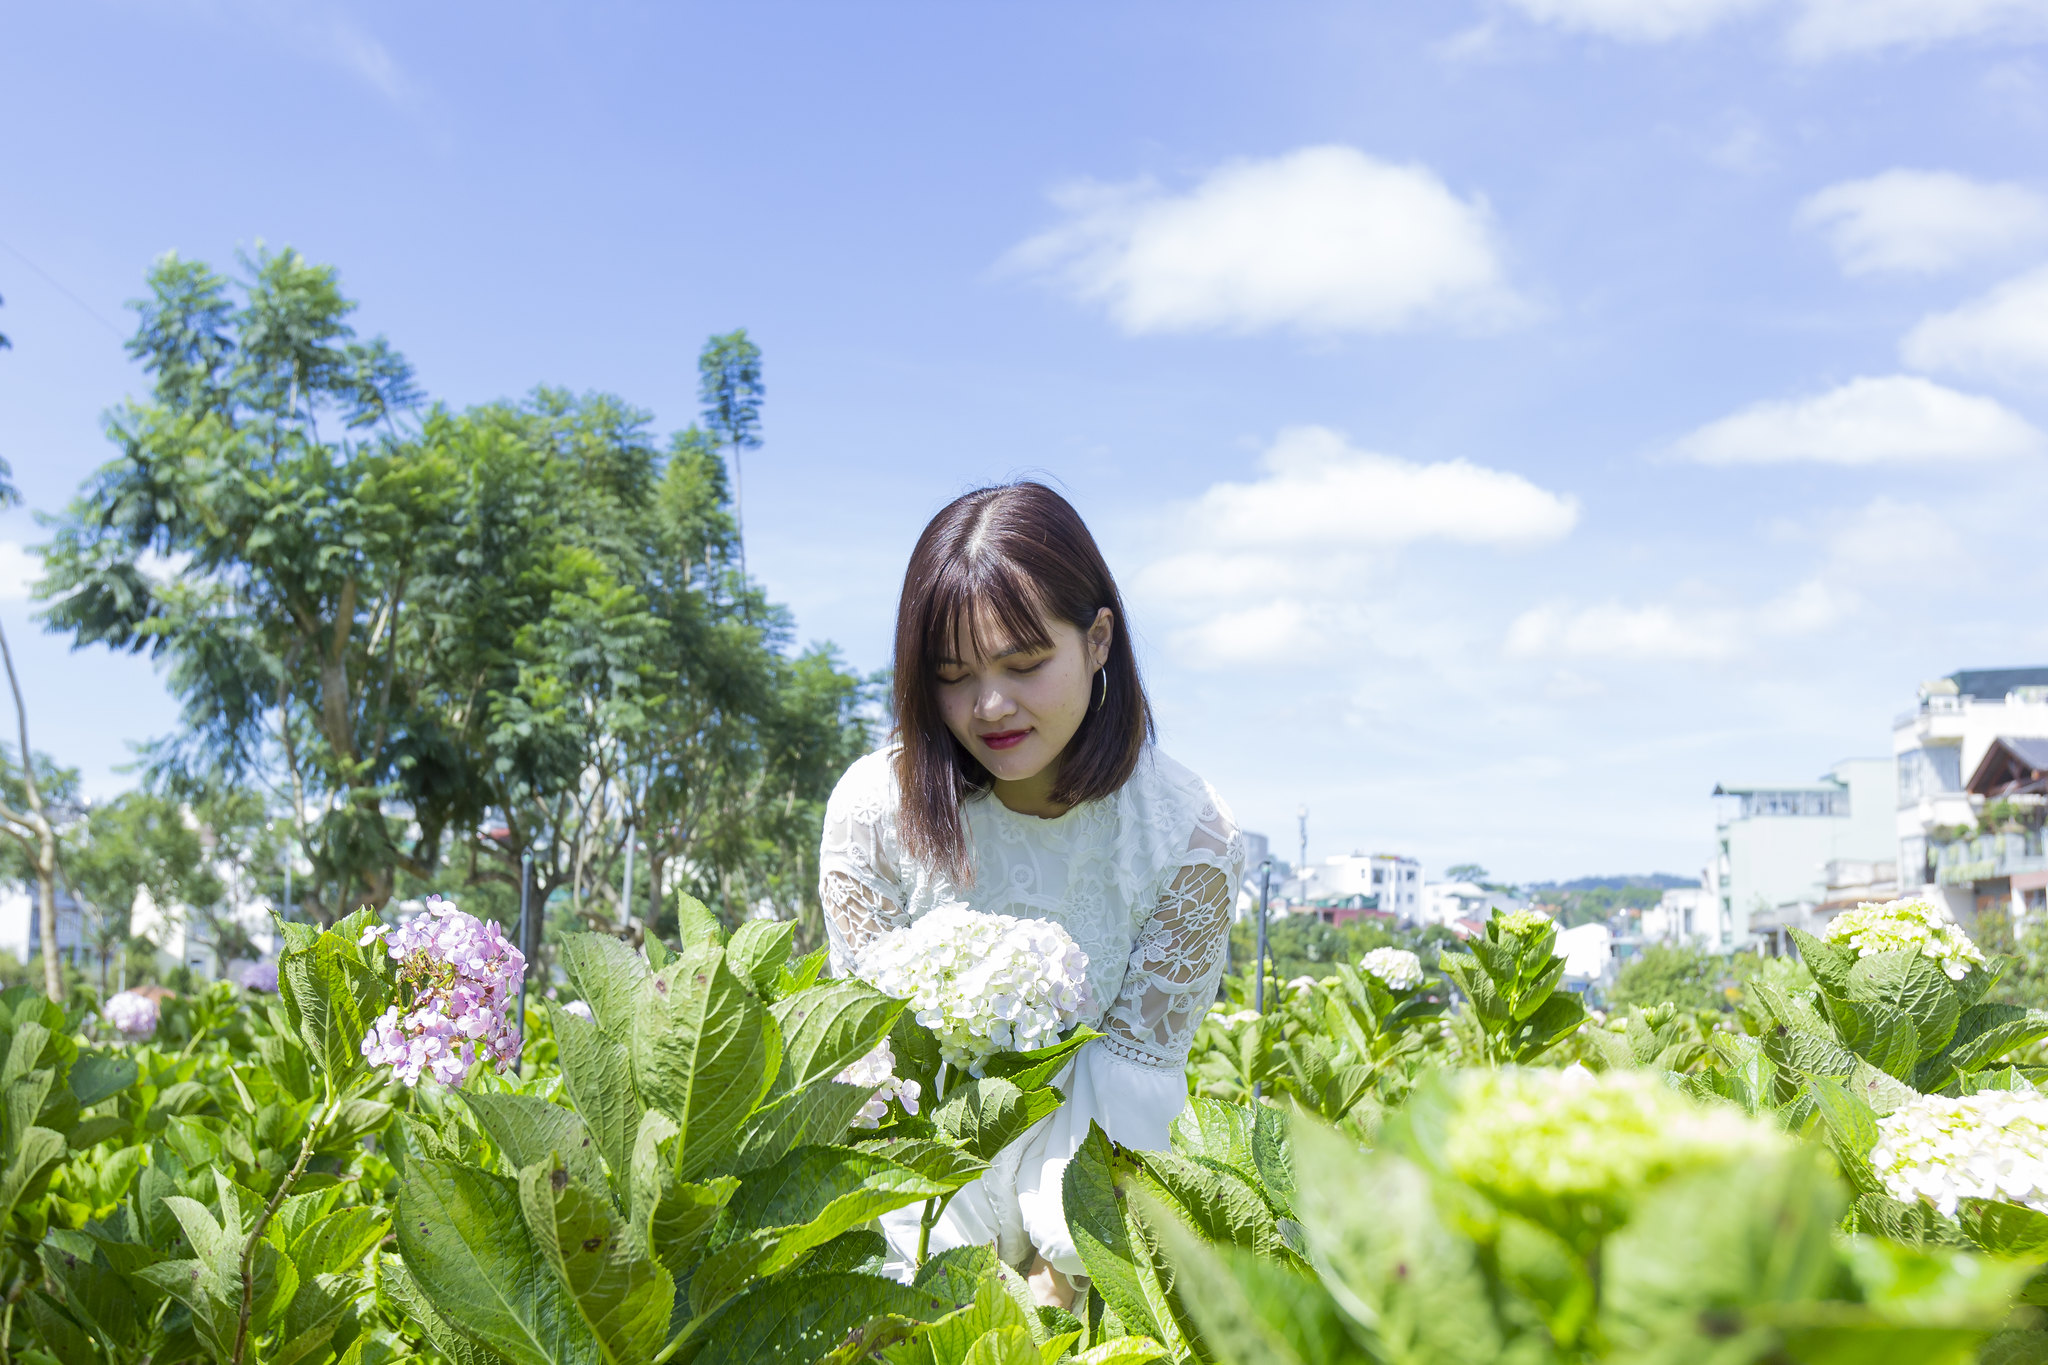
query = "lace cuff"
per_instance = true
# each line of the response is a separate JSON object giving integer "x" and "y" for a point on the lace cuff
{"x": 1171, "y": 977}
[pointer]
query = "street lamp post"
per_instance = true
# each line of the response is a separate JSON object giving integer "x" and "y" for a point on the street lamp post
{"x": 525, "y": 882}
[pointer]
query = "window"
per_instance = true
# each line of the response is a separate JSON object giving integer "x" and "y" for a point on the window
{"x": 1379, "y": 875}
{"x": 1795, "y": 803}
{"x": 1929, "y": 772}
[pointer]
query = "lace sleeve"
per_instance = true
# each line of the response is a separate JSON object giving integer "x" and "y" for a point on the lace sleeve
{"x": 857, "y": 878}
{"x": 1174, "y": 965}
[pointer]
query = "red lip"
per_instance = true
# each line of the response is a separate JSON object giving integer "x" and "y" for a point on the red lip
{"x": 1004, "y": 739}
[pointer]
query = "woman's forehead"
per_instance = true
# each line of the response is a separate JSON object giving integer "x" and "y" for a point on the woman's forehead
{"x": 980, "y": 636}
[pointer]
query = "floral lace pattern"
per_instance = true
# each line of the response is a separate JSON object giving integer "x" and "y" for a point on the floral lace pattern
{"x": 1144, "y": 880}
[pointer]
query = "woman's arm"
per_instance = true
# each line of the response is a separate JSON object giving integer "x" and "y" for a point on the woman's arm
{"x": 1170, "y": 980}
{"x": 857, "y": 879}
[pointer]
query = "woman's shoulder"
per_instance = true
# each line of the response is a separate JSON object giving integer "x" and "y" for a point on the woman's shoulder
{"x": 866, "y": 792}
{"x": 1163, "y": 781}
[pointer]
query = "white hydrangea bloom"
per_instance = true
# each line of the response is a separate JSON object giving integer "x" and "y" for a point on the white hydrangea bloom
{"x": 982, "y": 983}
{"x": 1990, "y": 1145}
{"x": 1877, "y": 928}
{"x": 1397, "y": 968}
{"x": 877, "y": 1071}
{"x": 1301, "y": 985}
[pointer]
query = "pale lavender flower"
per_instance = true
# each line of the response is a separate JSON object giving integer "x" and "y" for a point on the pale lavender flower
{"x": 134, "y": 1015}
{"x": 581, "y": 1009}
{"x": 460, "y": 974}
{"x": 258, "y": 976}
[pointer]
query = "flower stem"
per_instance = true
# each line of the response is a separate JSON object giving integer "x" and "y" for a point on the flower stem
{"x": 284, "y": 1187}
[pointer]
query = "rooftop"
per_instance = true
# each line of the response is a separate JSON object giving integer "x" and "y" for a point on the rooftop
{"x": 1992, "y": 684}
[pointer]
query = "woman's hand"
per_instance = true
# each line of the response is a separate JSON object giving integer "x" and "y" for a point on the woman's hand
{"x": 1050, "y": 1288}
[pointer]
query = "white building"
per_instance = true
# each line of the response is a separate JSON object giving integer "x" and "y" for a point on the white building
{"x": 1448, "y": 902}
{"x": 1683, "y": 916}
{"x": 1774, "y": 844}
{"x": 1390, "y": 882}
{"x": 1940, "y": 745}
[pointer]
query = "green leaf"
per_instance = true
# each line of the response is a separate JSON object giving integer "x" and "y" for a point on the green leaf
{"x": 957, "y": 1273}
{"x": 1909, "y": 980}
{"x": 335, "y": 998}
{"x": 675, "y": 1217}
{"x": 527, "y": 1129}
{"x": 610, "y": 977}
{"x": 458, "y": 1346}
{"x": 36, "y": 1153}
{"x": 696, "y": 925}
{"x": 987, "y": 1115}
{"x": 1830, "y": 963}
{"x": 704, "y": 1051}
{"x": 1882, "y": 1035}
{"x": 828, "y": 1028}
{"x": 1914, "y": 1224}
{"x": 597, "y": 1074}
{"x": 1547, "y": 1025}
{"x": 1030, "y": 1070}
{"x": 1215, "y": 1201}
{"x": 1113, "y": 1244}
{"x": 757, "y": 951}
{"x": 803, "y": 1317}
{"x": 337, "y": 1242}
{"x": 1987, "y": 1032}
{"x": 1248, "y": 1308}
{"x": 466, "y": 1244}
{"x": 621, "y": 1293}
{"x": 1003, "y": 1346}
{"x": 66, "y": 1339}
{"x": 1387, "y": 1254}
{"x": 2004, "y": 1229}
{"x": 817, "y": 1113}
{"x": 802, "y": 974}
{"x": 94, "y": 1293}
{"x": 827, "y": 1190}
{"x": 311, "y": 1317}
{"x": 940, "y": 1162}
{"x": 96, "y": 1076}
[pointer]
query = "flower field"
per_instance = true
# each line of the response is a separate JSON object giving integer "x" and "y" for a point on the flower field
{"x": 683, "y": 1160}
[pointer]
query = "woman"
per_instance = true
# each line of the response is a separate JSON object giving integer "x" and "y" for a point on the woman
{"x": 1022, "y": 780}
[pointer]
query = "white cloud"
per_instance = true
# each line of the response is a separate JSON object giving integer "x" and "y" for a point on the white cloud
{"x": 1292, "y": 560}
{"x": 1923, "y": 221}
{"x": 19, "y": 570}
{"x": 1646, "y": 21}
{"x": 1831, "y": 28}
{"x": 1322, "y": 240}
{"x": 1866, "y": 421}
{"x": 1610, "y": 630}
{"x": 2003, "y": 335}
{"x": 1817, "y": 28}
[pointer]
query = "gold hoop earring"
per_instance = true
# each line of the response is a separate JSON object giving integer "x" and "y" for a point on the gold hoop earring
{"x": 1103, "y": 699}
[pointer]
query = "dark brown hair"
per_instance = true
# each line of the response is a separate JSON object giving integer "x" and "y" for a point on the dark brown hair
{"x": 1014, "y": 556}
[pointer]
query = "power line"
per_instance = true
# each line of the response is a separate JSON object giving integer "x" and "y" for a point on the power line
{"x": 51, "y": 280}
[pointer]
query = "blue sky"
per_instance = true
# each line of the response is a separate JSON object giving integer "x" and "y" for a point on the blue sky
{"x": 1507, "y": 418}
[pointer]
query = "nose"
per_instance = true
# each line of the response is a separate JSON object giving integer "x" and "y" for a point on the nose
{"x": 992, "y": 704}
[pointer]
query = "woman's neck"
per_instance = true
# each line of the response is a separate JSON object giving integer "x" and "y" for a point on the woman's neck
{"x": 1032, "y": 795}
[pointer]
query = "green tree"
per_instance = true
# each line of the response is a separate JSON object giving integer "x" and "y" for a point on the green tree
{"x": 1465, "y": 872}
{"x": 136, "y": 842}
{"x": 23, "y": 815}
{"x": 729, "y": 388}
{"x": 1685, "y": 977}
{"x": 291, "y": 550}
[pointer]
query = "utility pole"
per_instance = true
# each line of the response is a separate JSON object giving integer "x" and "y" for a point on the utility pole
{"x": 1301, "y": 860}
{"x": 525, "y": 883}
{"x": 1259, "y": 990}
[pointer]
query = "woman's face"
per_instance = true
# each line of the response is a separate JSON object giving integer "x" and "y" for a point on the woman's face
{"x": 1016, "y": 709}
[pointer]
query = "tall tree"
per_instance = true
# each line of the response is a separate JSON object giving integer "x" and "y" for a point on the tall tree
{"x": 729, "y": 389}
{"x": 285, "y": 552}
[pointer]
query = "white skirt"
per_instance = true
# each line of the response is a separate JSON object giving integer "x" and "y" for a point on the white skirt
{"x": 1015, "y": 1205}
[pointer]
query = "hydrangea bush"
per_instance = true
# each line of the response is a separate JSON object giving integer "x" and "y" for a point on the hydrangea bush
{"x": 1912, "y": 925}
{"x": 133, "y": 1015}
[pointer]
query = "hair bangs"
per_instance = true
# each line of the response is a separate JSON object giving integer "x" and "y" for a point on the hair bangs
{"x": 986, "y": 603}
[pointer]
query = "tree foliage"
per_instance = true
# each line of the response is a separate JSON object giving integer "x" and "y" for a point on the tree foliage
{"x": 446, "y": 645}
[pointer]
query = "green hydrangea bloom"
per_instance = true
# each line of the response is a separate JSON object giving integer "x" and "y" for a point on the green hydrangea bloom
{"x": 1874, "y": 927}
{"x": 1524, "y": 922}
{"x": 1530, "y": 1138}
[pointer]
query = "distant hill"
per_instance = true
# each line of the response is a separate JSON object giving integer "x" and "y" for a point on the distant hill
{"x": 1663, "y": 881}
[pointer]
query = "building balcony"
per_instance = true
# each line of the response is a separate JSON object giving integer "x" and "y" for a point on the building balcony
{"x": 1988, "y": 857}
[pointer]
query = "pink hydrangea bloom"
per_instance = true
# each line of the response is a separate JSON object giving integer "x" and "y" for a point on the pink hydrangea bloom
{"x": 457, "y": 974}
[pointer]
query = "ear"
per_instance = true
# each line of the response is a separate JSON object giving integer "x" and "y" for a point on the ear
{"x": 1100, "y": 632}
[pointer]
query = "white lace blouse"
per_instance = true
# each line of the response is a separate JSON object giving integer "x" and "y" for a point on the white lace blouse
{"x": 1143, "y": 879}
